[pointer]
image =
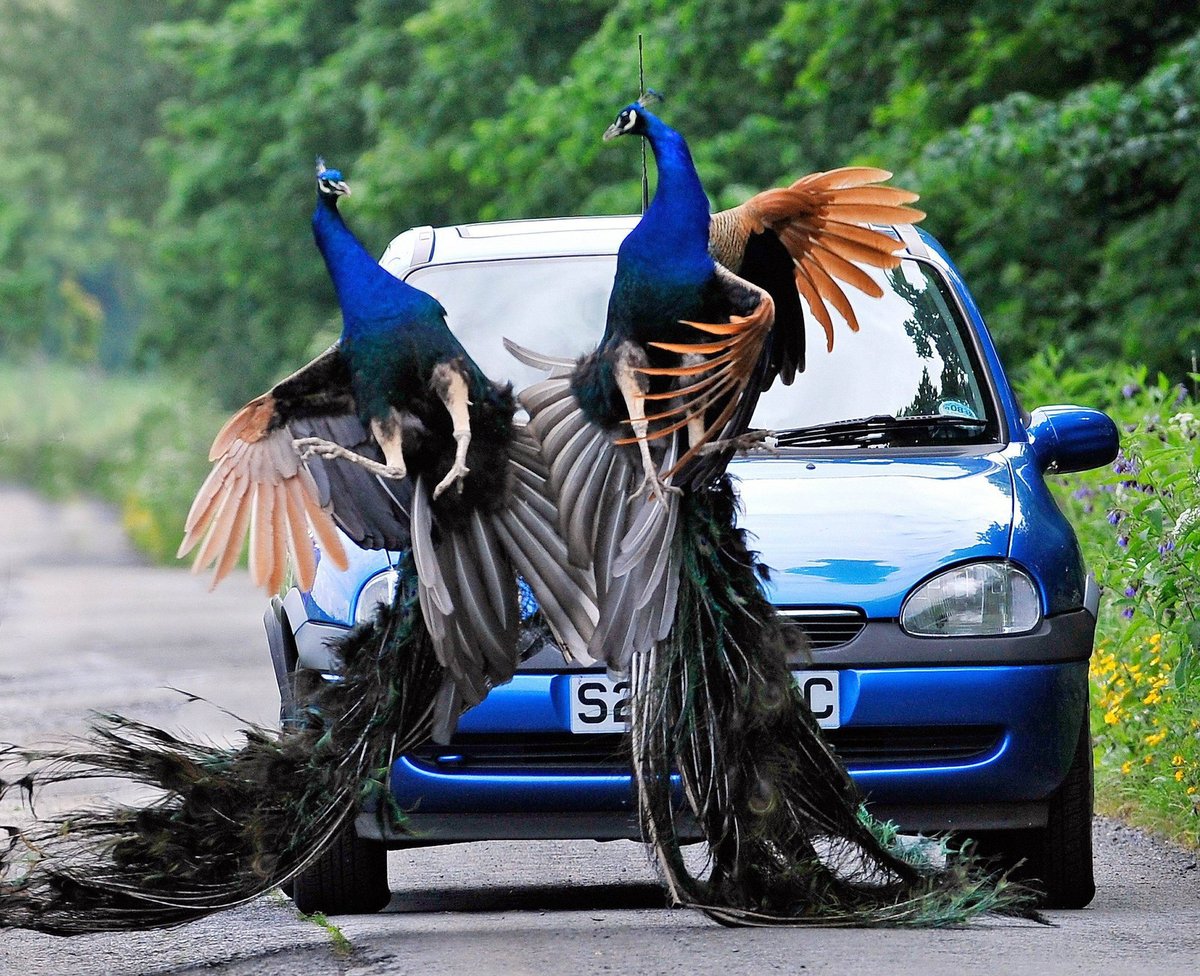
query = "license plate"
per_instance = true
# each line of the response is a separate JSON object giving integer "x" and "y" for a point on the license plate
{"x": 599, "y": 704}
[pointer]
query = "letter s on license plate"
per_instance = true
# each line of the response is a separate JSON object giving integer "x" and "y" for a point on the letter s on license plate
{"x": 600, "y": 704}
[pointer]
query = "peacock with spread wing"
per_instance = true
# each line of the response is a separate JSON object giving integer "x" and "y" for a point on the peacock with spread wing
{"x": 352, "y": 441}
{"x": 703, "y": 315}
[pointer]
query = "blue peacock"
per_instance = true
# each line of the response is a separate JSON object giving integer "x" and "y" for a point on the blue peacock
{"x": 394, "y": 436}
{"x": 692, "y": 327}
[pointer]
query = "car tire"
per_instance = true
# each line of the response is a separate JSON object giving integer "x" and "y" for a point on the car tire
{"x": 1056, "y": 860}
{"x": 349, "y": 878}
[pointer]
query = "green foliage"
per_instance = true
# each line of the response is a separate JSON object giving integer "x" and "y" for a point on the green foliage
{"x": 139, "y": 442}
{"x": 1139, "y": 526}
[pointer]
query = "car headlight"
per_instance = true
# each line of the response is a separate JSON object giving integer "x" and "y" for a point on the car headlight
{"x": 975, "y": 600}
{"x": 380, "y": 588}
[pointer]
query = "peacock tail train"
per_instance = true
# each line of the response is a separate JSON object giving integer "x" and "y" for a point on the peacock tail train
{"x": 228, "y": 824}
{"x": 788, "y": 839}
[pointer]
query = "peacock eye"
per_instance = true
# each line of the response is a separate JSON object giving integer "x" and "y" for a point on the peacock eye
{"x": 630, "y": 120}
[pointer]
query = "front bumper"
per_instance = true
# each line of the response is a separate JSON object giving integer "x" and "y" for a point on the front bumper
{"x": 933, "y": 746}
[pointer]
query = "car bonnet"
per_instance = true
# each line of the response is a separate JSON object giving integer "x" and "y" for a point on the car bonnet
{"x": 861, "y": 532}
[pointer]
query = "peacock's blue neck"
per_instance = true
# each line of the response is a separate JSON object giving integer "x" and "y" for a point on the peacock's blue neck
{"x": 369, "y": 296}
{"x": 674, "y": 228}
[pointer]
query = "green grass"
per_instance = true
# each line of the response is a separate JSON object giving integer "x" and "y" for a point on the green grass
{"x": 341, "y": 945}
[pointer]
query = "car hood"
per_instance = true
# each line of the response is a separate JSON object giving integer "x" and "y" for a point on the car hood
{"x": 863, "y": 531}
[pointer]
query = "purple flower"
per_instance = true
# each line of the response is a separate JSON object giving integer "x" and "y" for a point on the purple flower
{"x": 1181, "y": 394}
{"x": 1114, "y": 517}
{"x": 1131, "y": 591}
{"x": 1084, "y": 492}
{"x": 1127, "y": 613}
{"x": 1168, "y": 546}
{"x": 1123, "y": 541}
{"x": 1129, "y": 389}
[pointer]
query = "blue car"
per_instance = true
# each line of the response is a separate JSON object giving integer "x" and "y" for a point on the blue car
{"x": 901, "y": 507}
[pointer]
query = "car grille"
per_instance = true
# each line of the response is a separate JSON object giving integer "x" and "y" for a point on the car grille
{"x": 876, "y": 746}
{"x": 826, "y": 628}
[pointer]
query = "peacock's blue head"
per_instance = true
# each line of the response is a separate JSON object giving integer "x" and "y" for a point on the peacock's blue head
{"x": 330, "y": 183}
{"x": 632, "y": 120}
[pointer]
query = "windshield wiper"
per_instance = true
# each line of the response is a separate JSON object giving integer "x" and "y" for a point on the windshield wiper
{"x": 880, "y": 429}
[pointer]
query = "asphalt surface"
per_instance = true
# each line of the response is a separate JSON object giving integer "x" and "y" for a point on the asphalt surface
{"x": 85, "y": 625}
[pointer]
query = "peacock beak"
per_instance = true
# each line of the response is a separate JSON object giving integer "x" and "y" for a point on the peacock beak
{"x": 613, "y": 131}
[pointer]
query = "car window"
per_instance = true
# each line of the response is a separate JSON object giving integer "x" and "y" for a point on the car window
{"x": 911, "y": 356}
{"x": 552, "y": 305}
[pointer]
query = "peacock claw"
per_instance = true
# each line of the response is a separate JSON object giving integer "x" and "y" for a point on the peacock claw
{"x": 308, "y": 447}
{"x": 751, "y": 440}
{"x": 657, "y": 488}
{"x": 457, "y": 473}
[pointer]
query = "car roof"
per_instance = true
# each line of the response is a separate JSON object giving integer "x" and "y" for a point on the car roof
{"x": 506, "y": 239}
{"x": 537, "y": 238}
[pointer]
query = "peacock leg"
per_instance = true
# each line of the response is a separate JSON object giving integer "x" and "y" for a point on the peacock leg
{"x": 633, "y": 387}
{"x": 450, "y": 385}
{"x": 695, "y": 422}
{"x": 387, "y": 435}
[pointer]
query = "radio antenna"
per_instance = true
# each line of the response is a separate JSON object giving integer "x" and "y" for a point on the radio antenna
{"x": 642, "y": 91}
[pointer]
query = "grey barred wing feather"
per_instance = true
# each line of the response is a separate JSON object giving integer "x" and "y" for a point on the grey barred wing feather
{"x": 258, "y": 485}
{"x": 469, "y": 602}
{"x": 822, "y": 224}
{"x": 623, "y": 543}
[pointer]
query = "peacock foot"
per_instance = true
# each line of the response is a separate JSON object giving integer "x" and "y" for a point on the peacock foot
{"x": 308, "y": 447}
{"x": 657, "y": 488}
{"x": 751, "y": 440}
{"x": 458, "y": 471}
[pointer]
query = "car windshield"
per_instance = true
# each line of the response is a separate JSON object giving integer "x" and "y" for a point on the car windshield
{"x": 910, "y": 374}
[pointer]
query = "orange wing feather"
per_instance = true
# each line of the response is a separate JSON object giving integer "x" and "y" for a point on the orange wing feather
{"x": 821, "y": 220}
{"x": 258, "y": 483}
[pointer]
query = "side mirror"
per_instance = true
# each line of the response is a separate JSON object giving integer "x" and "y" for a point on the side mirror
{"x": 1066, "y": 439}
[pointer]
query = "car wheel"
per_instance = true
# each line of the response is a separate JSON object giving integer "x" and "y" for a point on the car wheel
{"x": 350, "y": 878}
{"x": 1055, "y": 859}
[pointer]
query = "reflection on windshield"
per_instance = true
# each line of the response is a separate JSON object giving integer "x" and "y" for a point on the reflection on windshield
{"x": 908, "y": 359}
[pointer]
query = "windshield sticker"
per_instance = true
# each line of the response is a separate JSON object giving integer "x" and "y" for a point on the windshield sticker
{"x": 956, "y": 408}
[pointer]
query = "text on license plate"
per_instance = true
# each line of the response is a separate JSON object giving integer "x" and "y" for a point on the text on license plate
{"x": 600, "y": 704}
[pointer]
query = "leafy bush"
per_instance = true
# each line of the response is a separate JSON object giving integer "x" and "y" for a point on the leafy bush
{"x": 139, "y": 442}
{"x": 1139, "y": 524}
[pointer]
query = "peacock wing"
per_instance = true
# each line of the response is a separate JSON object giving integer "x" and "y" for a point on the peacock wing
{"x": 717, "y": 382}
{"x": 469, "y": 602}
{"x": 371, "y": 510}
{"x": 258, "y": 486}
{"x": 618, "y": 579}
{"x": 822, "y": 222}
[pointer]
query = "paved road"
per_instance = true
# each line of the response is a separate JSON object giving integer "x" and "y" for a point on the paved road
{"x": 85, "y": 625}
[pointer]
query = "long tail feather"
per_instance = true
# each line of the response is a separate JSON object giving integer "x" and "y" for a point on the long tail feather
{"x": 228, "y": 823}
{"x": 788, "y": 838}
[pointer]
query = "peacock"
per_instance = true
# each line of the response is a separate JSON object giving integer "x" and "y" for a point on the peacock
{"x": 396, "y": 438}
{"x": 694, "y": 326}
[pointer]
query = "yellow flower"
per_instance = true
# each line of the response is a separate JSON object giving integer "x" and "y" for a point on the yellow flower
{"x": 1113, "y": 715}
{"x": 1127, "y": 768}
{"x": 1155, "y": 738}
{"x": 1153, "y": 698}
{"x": 1177, "y": 760}
{"x": 1148, "y": 760}
{"x": 1191, "y": 791}
{"x": 1179, "y": 776}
